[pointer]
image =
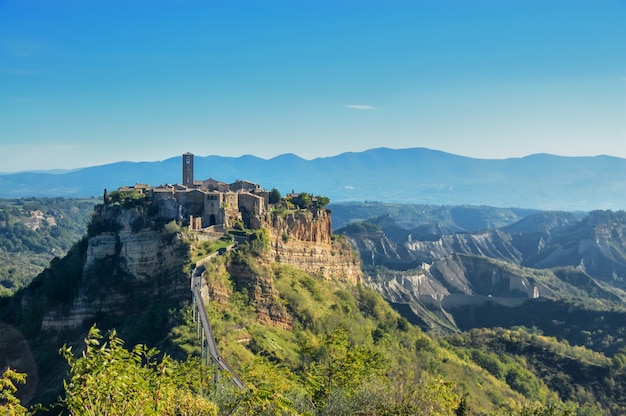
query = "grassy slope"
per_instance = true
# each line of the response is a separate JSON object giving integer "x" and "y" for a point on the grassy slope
{"x": 320, "y": 307}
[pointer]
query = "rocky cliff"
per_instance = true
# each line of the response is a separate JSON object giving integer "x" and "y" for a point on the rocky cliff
{"x": 259, "y": 284}
{"x": 430, "y": 292}
{"x": 130, "y": 262}
{"x": 304, "y": 240}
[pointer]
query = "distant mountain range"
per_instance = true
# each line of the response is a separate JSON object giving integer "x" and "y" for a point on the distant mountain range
{"x": 415, "y": 176}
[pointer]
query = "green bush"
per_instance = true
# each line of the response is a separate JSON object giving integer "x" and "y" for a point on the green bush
{"x": 490, "y": 362}
{"x": 108, "y": 379}
{"x": 9, "y": 403}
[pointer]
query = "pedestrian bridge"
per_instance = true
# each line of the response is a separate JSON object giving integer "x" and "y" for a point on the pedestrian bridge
{"x": 208, "y": 346}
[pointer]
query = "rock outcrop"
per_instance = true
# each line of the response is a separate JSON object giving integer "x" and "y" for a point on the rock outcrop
{"x": 261, "y": 293}
{"x": 130, "y": 263}
{"x": 544, "y": 256}
{"x": 304, "y": 240}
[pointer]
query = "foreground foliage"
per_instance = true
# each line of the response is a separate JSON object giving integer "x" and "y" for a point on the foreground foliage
{"x": 107, "y": 379}
{"x": 9, "y": 404}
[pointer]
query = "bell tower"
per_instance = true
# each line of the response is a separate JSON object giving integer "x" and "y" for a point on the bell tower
{"x": 188, "y": 169}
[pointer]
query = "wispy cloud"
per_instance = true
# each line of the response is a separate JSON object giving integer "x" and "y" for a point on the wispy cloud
{"x": 360, "y": 107}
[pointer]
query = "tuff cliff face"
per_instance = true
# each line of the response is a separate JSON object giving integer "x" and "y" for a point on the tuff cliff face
{"x": 130, "y": 262}
{"x": 261, "y": 293}
{"x": 304, "y": 240}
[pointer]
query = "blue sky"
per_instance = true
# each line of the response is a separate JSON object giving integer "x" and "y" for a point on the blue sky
{"x": 85, "y": 83}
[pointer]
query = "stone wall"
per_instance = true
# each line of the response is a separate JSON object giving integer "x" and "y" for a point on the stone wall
{"x": 251, "y": 203}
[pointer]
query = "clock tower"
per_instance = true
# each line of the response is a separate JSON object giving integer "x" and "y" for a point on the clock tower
{"x": 188, "y": 169}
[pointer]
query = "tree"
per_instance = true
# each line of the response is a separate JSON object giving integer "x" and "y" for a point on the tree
{"x": 304, "y": 200}
{"x": 275, "y": 196}
{"x": 337, "y": 365}
{"x": 404, "y": 391}
{"x": 9, "y": 404}
{"x": 322, "y": 201}
{"x": 265, "y": 394}
{"x": 463, "y": 408}
{"x": 550, "y": 409}
{"x": 108, "y": 379}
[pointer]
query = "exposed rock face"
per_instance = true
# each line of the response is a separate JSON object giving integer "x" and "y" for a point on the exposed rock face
{"x": 597, "y": 245}
{"x": 473, "y": 275}
{"x": 304, "y": 240}
{"x": 131, "y": 262}
{"x": 308, "y": 226}
{"x": 439, "y": 270}
{"x": 261, "y": 293}
{"x": 125, "y": 269}
{"x": 408, "y": 287}
{"x": 377, "y": 249}
{"x": 301, "y": 239}
{"x": 215, "y": 291}
{"x": 37, "y": 218}
{"x": 432, "y": 291}
{"x": 541, "y": 241}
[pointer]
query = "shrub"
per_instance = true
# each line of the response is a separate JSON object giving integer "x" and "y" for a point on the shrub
{"x": 108, "y": 379}
{"x": 9, "y": 404}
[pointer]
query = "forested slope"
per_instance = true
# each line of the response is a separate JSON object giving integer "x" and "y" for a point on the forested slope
{"x": 35, "y": 230}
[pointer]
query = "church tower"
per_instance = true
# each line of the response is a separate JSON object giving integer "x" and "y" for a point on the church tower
{"x": 188, "y": 169}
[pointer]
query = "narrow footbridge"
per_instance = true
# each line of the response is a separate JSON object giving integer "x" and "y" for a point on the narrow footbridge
{"x": 208, "y": 346}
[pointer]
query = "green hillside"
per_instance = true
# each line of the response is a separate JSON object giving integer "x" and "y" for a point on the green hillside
{"x": 301, "y": 343}
{"x": 35, "y": 230}
{"x": 340, "y": 350}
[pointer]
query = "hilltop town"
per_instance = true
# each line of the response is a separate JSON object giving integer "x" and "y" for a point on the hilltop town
{"x": 201, "y": 204}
